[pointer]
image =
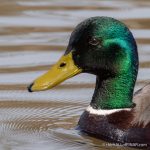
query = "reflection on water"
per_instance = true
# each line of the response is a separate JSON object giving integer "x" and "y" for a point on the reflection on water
{"x": 33, "y": 35}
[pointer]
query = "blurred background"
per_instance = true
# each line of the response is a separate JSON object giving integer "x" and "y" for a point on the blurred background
{"x": 33, "y": 35}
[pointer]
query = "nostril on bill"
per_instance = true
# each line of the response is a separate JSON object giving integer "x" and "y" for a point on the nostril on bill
{"x": 30, "y": 87}
{"x": 63, "y": 64}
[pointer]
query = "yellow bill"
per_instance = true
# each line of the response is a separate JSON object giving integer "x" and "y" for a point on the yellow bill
{"x": 62, "y": 70}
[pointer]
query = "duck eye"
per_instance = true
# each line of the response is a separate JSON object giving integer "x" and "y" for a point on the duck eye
{"x": 94, "y": 41}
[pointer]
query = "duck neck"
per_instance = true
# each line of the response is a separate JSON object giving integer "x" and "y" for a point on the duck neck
{"x": 114, "y": 93}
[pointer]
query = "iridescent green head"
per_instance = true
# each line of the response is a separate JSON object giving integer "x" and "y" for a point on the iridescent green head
{"x": 103, "y": 43}
{"x": 105, "y": 47}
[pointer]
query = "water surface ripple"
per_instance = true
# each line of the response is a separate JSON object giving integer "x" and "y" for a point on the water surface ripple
{"x": 33, "y": 35}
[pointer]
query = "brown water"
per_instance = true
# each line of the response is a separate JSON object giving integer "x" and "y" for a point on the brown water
{"x": 33, "y": 35}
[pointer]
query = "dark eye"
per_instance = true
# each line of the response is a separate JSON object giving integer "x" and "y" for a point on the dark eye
{"x": 94, "y": 41}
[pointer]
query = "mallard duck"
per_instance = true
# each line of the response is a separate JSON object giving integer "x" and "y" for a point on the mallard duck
{"x": 105, "y": 47}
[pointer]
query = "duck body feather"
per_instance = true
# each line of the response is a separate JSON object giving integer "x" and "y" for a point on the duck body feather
{"x": 129, "y": 127}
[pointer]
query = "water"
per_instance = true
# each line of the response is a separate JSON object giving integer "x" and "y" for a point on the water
{"x": 33, "y": 35}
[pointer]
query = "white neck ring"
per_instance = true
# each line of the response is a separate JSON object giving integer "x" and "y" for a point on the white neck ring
{"x": 104, "y": 112}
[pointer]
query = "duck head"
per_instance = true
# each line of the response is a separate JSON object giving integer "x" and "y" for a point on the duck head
{"x": 101, "y": 46}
